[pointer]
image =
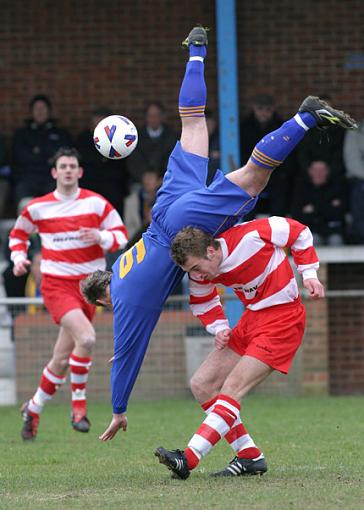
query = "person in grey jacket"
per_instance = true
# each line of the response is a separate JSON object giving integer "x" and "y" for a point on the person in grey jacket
{"x": 354, "y": 162}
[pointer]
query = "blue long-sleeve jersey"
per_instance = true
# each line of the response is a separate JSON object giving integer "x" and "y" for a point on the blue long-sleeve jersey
{"x": 144, "y": 277}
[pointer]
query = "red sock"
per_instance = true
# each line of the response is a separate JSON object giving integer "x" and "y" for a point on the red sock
{"x": 192, "y": 458}
{"x": 79, "y": 375}
{"x": 237, "y": 437}
{"x": 249, "y": 453}
{"x": 48, "y": 385}
{"x": 217, "y": 423}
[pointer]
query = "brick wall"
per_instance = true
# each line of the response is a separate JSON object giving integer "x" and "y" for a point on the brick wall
{"x": 86, "y": 53}
{"x": 292, "y": 49}
{"x": 316, "y": 343}
{"x": 164, "y": 372}
{"x": 346, "y": 326}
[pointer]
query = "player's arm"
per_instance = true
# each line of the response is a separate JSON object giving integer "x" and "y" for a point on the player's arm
{"x": 112, "y": 234}
{"x": 119, "y": 421}
{"x": 206, "y": 305}
{"x": 19, "y": 242}
{"x": 132, "y": 331}
{"x": 286, "y": 232}
{"x": 126, "y": 364}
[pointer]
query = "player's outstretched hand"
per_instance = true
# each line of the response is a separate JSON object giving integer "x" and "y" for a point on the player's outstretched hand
{"x": 119, "y": 421}
{"x": 315, "y": 288}
{"x": 90, "y": 235}
{"x": 21, "y": 267}
{"x": 222, "y": 338}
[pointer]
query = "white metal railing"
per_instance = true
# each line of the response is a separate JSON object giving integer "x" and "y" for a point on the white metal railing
{"x": 350, "y": 293}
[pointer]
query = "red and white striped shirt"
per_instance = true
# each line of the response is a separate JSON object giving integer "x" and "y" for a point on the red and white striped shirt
{"x": 57, "y": 218}
{"x": 255, "y": 265}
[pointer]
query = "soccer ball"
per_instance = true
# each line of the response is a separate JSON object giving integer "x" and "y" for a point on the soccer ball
{"x": 115, "y": 137}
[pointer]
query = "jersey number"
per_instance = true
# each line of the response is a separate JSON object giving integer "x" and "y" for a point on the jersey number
{"x": 127, "y": 260}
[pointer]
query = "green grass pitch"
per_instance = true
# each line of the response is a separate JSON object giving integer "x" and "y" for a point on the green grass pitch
{"x": 314, "y": 449}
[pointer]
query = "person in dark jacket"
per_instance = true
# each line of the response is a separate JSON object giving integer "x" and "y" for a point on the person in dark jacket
{"x": 263, "y": 119}
{"x": 5, "y": 173}
{"x": 320, "y": 202}
{"x": 155, "y": 143}
{"x": 33, "y": 148}
{"x": 214, "y": 145}
{"x": 323, "y": 146}
{"x": 106, "y": 176}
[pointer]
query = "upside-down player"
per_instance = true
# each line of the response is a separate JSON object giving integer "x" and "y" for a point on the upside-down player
{"x": 76, "y": 227}
{"x": 250, "y": 258}
{"x": 142, "y": 278}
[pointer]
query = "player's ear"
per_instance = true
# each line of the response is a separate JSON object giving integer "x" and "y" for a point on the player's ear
{"x": 80, "y": 172}
{"x": 54, "y": 173}
{"x": 209, "y": 252}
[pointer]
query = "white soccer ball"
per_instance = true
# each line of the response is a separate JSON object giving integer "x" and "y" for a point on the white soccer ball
{"x": 115, "y": 137}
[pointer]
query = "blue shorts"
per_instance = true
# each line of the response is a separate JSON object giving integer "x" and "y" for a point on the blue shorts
{"x": 144, "y": 277}
{"x": 184, "y": 199}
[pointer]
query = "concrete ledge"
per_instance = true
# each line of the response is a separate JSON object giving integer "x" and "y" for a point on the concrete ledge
{"x": 340, "y": 254}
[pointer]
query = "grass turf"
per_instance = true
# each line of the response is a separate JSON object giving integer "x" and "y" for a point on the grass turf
{"x": 314, "y": 449}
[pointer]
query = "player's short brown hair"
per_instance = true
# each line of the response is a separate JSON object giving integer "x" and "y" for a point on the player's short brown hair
{"x": 191, "y": 241}
{"x": 70, "y": 152}
{"x": 94, "y": 286}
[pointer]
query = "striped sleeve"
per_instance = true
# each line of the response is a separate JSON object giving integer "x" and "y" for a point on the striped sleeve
{"x": 287, "y": 232}
{"x": 304, "y": 255}
{"x": 206, "y": 305}
{"x": 19, "y": 236}
{"x": 114, "y": 235}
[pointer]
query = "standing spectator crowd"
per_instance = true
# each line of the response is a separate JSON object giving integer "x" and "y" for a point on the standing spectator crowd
{"x": 321, "y": 184}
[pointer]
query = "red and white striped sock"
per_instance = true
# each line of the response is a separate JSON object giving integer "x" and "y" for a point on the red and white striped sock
{"x": 237, "y": 437}
{"x": 48, "y": 385}
{"x": 241, "y": 442}
{"x": 79, "y": 374}
{"x": 215, "y": 426}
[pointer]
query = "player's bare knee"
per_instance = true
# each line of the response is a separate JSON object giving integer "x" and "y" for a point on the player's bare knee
{"x": 195, "y": 386}
{"x": 61, "y": 362}
{"x": 87, "y": 341}
{"x": 200, "y": 387}
{"x": 249, "y": 178}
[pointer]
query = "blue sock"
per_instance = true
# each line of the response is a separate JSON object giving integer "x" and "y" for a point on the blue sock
{"x": 274, "y": 147}
{"x": 197, "y": 51}
{"x": 193, "y": 93}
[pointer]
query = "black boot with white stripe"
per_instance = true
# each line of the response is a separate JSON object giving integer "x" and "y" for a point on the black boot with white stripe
{"x": 241, "y": 467}
{"x": 175, "y": 460}
{"x": 326, "y": 115}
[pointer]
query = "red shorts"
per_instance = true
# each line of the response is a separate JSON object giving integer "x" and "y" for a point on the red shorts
{"x": 271, "y": 335}
{"x": 61, "y": 295}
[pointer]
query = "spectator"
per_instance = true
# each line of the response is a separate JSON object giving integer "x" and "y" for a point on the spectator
{"x": 354, "y": 162}
{"x": 15, "y": 286}
{"x": 26, "y": 285}
{"x": 323, "y": 146}
{"x": 151, "y": 182}
{"x": 4, "y": 177}
{"x": 155, "y": 143}
{"x": 33, "y": 281}
{"x": 33, "y": 148}
{"x": 261, "y": 120}
{"x": 105, "y": 176}
{"x": 214, "y": 145}
{"x": 319, "y": 202}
